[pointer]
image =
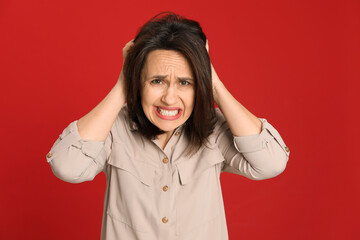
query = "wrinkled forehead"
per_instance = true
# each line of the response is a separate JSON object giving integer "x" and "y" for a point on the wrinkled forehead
{"x": 166, "y": 62}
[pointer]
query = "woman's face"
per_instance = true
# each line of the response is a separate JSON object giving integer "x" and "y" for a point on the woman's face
{"x": 167, "y": 89}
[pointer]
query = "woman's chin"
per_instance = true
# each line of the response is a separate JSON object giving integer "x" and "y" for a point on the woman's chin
{"x": 167, "y": 128}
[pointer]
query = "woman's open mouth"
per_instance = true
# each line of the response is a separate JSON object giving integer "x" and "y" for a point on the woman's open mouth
{"x": 168, "y": 113}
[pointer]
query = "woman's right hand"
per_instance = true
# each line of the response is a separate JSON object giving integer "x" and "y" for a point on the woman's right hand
{"x": 127, "y": 47}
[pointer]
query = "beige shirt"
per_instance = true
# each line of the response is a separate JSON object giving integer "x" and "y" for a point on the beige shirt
{"x": 155, "y": 194}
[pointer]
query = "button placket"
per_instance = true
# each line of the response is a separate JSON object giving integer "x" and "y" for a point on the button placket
{"x": 167, "y": 171}
{"x": 165, "y": 198}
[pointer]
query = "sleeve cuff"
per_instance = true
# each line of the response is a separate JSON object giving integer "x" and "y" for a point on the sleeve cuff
{"x": 257, "y": 142}
{"x": 89, "y": 148}
{"x": 71, "y": 137}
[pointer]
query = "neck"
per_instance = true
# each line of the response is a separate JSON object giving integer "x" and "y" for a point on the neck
{"x": 164, "y": 138}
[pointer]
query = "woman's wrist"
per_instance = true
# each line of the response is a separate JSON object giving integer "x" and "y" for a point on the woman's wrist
{"x": 120, "y": 87}
{"x": 216, "y": 84}
{"x": 218, "y": 90}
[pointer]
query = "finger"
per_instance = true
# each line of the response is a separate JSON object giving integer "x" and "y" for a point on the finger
{"x": 129, "y": 44}
{"x": 127, "y": 47}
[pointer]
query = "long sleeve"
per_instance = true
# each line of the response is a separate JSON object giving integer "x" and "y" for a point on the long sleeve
{"x": 75, "y": 160}
{"x": 259, "y": 156}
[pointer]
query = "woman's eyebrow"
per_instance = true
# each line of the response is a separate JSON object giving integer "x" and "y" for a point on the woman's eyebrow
{"x": 185, "y": 79}
{"x": 161, "y": 77}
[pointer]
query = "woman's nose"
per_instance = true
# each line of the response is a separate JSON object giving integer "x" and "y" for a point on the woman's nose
{"x": 170, "y": 96}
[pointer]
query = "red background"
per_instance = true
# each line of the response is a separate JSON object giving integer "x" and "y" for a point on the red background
{"x": 294, "y": 63}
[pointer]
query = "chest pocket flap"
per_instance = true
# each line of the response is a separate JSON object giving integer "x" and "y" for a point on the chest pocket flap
{"x": 199, "y": 197}
{"x": 139, "y": 168}
{"x": 193, "y": 167}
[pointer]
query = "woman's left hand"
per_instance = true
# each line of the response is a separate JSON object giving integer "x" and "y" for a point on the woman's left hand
{"x": 216, "y": 82}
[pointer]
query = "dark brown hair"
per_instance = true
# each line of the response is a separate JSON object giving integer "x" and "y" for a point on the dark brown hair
{"x": 169, "y": 31}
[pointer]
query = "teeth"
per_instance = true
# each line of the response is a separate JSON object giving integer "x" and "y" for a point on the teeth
{"x": 168, "y": 113}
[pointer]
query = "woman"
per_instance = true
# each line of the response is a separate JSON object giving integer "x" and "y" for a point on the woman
{"x": 164, "y": 150}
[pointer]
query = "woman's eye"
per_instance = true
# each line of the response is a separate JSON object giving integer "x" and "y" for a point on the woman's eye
{"x": 184, "y": 83}
{"x": 156, "y": 81}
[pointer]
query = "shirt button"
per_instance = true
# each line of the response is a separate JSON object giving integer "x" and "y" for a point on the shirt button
{"x": 165, "y": 188}
{"x": 165, "y": 219}
{"x": 177, "y": 133}
{"x": 287, "y": 149}
{"x": 165, "y": 160}
{"x": 49, "y": 155}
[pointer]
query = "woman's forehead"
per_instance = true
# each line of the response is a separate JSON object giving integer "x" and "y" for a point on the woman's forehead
{"x": 160, "y": 62}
